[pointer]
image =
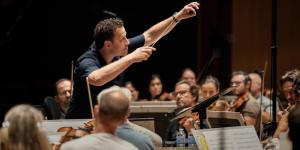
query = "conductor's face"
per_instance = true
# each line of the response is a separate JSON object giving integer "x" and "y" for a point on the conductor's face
{"x": 120, "y": 42}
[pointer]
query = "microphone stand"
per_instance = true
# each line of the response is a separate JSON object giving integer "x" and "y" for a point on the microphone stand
{"x": 274, "y": 64}
{"x": 262, "y": 86}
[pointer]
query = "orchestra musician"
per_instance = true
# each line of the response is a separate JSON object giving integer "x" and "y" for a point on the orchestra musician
{"x": 110, "y": 112}
{"x": 189, "y": 75}
{"x": 101, "y": 64}
{"x": 186, "y": 95}
{"x": 157, "y": 90}
{"x": 21, "y": 129}
{"x": 210, "y": 86}
{"x": 245, "y": 103}
{"x": 287, "y": 82}
{"x": 287, "y": 102}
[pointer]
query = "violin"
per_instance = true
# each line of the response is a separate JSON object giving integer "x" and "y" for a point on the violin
{"x": 238, "y": 103}
{"x": 189, "y": 122}
{"x": 71, "y": 133}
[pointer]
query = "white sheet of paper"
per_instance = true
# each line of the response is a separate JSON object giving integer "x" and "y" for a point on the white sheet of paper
{"x": 229, "y": 138}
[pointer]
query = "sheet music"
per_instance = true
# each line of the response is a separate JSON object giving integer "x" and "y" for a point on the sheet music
{"x": 230, "y": 138}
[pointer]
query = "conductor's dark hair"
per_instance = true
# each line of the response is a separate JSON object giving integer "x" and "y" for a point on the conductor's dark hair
{"x": 105, "y": 29}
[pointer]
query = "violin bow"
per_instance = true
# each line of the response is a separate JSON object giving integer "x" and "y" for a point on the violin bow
{"x": 203, "y": 104}
{"x": 165, "y": 31}
{"x": 72, "y": 76}
{"x": 90, "y": 96}
{"x": 262, "y": 88}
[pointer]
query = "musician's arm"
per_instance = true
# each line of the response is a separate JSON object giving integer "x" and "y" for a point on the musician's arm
{"x": 282, "y": 126}
{"x": 154, "y": 33}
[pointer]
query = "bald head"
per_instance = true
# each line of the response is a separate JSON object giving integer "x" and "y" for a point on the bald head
{"x": 256, "y": 84}
{"x": 113, "y": 105}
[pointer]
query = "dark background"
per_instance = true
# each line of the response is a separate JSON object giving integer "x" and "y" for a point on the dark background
{"x": 40, "y": 38}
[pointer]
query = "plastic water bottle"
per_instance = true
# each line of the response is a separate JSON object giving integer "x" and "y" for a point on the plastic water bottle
{"x": 180, "y": 138}
{"x": 191, "y": 141}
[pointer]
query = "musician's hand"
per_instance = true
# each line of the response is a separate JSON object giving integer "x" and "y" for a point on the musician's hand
{"x": 188, "y": 11}
{"x": 280, "y": 115}
{"x": 141, "y": 54}
{"x": 282, "y": 125}
{"x": 188, "y": 124}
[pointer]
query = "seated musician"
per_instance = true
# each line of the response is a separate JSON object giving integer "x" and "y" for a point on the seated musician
{"x": 186, "y": 95}
{"x": 287, "y": 82}
{"x": 56, "y": 107}
{"x": 188, "y": 75}
{"x": 21, "y": 129}
{"x": 134, "y": 91}
{"x": 245, "y": 103}
{"x": 255, "y": 90}
{"x": 111, "y": 111}
{"x": 289, "y": 118}
{"x": 156, "y": 89}
{"x": 210, "y": 86}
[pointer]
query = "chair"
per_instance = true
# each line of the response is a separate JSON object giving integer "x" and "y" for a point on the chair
{"x": 218, "y": 119}
{"x": 144, "y": 122}
{"x": 51, "y": 108}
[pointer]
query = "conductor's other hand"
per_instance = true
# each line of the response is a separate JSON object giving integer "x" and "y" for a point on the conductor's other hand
{"x": 141, "y": 54}
{"x": 188, "y": 11}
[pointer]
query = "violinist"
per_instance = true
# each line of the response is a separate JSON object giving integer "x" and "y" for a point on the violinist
{"x": 186, "y": 95}
{"x": 112, "y": 111}
{"x": 289, "y": 100}
{"x": 156, "y": 89}
{"x": 255, "y": 90}
{"x": 56, "y": 107}
{"x": 210, "y": 86}
{"x": 289, "y": 119}
{"x": 245, "y": 103}
{"x": 21, "y": 129}
{"x": 287, "y": 82}
{"x": 188, "y": 75}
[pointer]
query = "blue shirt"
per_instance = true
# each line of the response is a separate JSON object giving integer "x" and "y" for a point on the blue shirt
{"x": 88, "y": 62}
{"x": 139, "y": 140}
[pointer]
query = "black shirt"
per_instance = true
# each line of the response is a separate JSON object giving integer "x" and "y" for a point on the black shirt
{"x": 88, "y": 62}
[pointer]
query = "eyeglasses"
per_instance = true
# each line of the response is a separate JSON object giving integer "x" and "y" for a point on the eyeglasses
{"x": 235, "y": 83}
{"x": 180, "y": 93}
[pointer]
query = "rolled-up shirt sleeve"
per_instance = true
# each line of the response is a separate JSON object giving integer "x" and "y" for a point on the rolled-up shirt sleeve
{"x": 136, "y": 42}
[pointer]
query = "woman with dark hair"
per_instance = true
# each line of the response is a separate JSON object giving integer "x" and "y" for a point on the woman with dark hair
{"x": 156, "y": 89}
{"x": 210, "y": 86}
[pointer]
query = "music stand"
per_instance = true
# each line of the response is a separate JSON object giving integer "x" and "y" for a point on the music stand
{"x": 160, "y": 111}
{"x": 144, "y": 122}
{"x": 218, "y": 119}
